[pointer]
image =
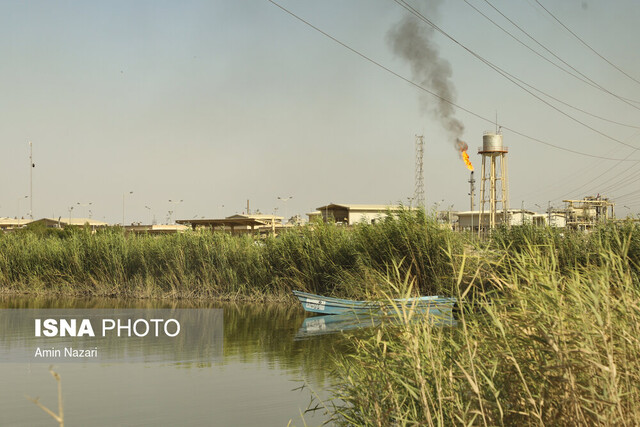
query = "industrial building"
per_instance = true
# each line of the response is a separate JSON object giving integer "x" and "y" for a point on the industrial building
{"x": 156, "y": 228}
{"x": 477, "y": 220}
{"x": 7, "y": 224}
{"x": 12, "y": 223}
{"x": 64, "y": 222}
{"x": 350, "y": 214}
{"x": 237, "y": 224}
{"x": 586, "y": 213}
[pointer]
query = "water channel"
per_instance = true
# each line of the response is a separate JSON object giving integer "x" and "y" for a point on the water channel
{"x": 264, "y": 360}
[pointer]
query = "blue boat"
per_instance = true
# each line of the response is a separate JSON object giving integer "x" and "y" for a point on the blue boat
{"x": 338, "y": 323}
{"x": 328, "y": 305}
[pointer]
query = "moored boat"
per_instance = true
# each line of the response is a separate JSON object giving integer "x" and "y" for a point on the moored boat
{"x": 339, "y": 323}
{"x": 328, "y": 305}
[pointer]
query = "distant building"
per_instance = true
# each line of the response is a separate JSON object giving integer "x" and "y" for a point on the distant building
{"x": 156, "y": 228}
{"x": 554, "y": 219}
{"x": 350, "y": 214}
{"x": 267, "y": 220}
{"x": 586, "y": 213}
{"x": 236, "y": 224}
{"x": 13, "y": 223}
{"x": 314, "y": 216}
{"x": 77, "y": 222}
{"x": 7, "y": 224}
{"x": 470, "y": 220}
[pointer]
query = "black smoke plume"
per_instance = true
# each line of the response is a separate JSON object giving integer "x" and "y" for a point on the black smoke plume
{"x": 412, "y": 40}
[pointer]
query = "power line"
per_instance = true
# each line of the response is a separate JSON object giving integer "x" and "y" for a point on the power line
{"x": 597, "y": 177}
{"x": 568, "y": 178}
{"x": 585, "y": 43}
{"x": 555, "y": 65}
{"x": 622, "y": 181}
{"x": 611, "y": 187}
{"x": 405, "y": 79}
{"x": 625, "y": 100}
{"x": 507, "y": 75}
{"x": 629, "y": 194}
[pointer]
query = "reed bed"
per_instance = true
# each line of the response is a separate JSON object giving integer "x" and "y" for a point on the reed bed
{"x": 548, "y": 334}
{"x": 321, "y": 258}
{"x": 553, "y": 339}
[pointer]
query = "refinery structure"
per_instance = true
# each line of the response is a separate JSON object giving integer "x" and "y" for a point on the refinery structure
{"x": 494, "y": 183}
{"x": 493, "y": 201}
{"x": 490, "y": 210}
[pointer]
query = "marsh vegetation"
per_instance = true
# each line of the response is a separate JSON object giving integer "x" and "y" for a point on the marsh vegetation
{"x": 548, "y": 332}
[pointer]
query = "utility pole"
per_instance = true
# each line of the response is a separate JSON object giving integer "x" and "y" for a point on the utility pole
{"x": 418, "y": 194}
{"x": 124, "y": 194}
{"x": 31, "y": 166}
{"x": 175, "y": 203}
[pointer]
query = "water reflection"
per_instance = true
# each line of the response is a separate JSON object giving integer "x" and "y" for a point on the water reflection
{"x": 338, "y": 323}
{"x": 250, "y": 385}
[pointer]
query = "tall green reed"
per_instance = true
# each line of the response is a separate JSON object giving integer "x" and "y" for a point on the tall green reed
{"x": 550, "y": 346}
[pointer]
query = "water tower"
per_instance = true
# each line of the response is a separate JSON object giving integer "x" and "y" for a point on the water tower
{"x": 495, "y": 160}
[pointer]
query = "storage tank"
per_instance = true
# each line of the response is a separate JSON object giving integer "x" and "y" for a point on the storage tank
{"x": 492, "y": 142}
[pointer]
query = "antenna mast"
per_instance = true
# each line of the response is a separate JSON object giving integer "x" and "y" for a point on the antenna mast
{"x": 31, "y": 166}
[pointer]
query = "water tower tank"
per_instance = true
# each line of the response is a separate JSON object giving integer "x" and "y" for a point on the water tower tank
{"x": 492, "y": 142}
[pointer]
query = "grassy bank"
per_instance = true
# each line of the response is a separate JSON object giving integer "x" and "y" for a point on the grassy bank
{"x": 323, "y": 258}
{"x": 555, "y": 340}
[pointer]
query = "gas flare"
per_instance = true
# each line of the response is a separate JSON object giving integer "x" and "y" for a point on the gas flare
{"x": 467, "y": 162}
{"x": 462, "y": 148}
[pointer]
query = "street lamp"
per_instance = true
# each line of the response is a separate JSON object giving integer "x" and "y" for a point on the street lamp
{"x": 84, "y": 205}
{"x": 410, "y": 201}
{"x": 284, "y": 209}
{"x": 124, "y": 194}
{"x": 149, "y": 210}
{"x": 19, "y": 200}
{"x": 175, "y": 202}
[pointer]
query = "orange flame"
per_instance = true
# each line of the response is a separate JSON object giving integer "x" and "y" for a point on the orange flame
{"x": 467, "y": 162}
{"x": 462, "y": 148}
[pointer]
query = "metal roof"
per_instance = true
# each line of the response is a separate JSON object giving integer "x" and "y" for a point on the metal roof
{"x": 74, "y": 221}
{"x": 14, "y": 221}
{"x": 362, "y": 207}
{"x": 230, "y": 222}
{"x": 463, "y": 213}
{"x": 256, "y": 216}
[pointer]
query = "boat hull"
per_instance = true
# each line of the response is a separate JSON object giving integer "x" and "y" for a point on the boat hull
{"x": 327, "y": 305}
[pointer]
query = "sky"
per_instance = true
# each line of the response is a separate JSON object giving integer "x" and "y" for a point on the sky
{"x": 129, "y": 105}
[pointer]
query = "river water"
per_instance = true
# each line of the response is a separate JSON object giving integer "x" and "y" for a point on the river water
{"x": 256, "y": 382}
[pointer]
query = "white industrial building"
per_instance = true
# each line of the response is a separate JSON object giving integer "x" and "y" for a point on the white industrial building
{"x": 469, "y": 220}
{"x": 350, "y": 214}
{"x": 11, "y": 223}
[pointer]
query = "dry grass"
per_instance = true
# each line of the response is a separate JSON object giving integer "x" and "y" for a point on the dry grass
{"x": 546, "y": 346}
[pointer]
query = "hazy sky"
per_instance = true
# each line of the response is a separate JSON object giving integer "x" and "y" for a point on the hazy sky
{"x": 217, "y": 102}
